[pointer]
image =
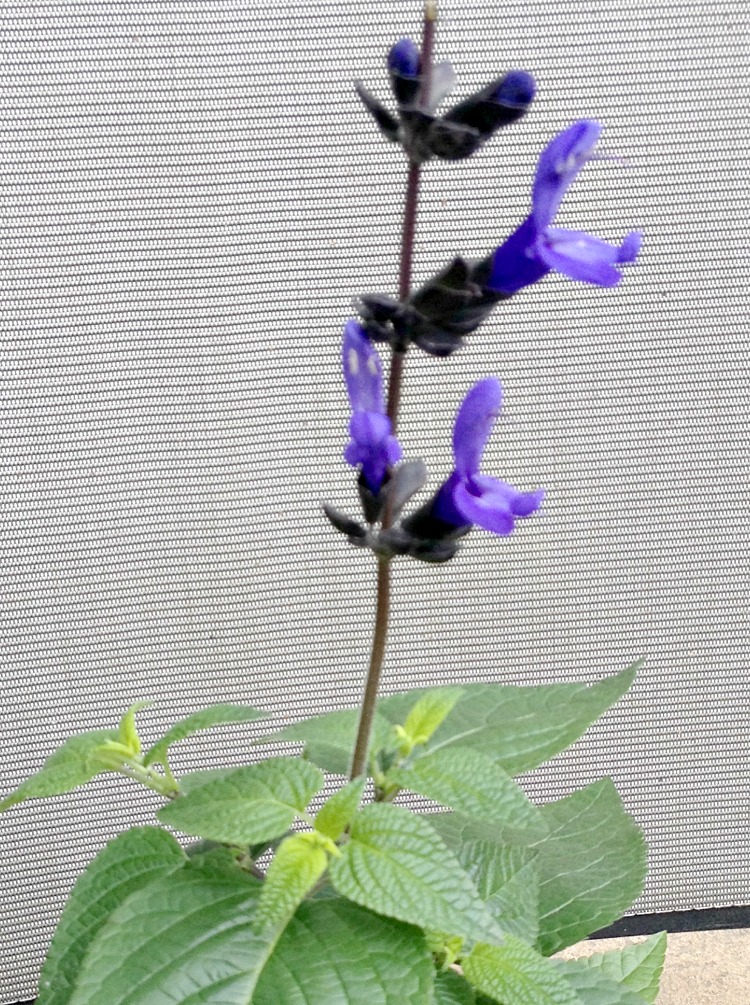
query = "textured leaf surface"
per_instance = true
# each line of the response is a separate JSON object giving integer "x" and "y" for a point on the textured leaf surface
{"x": 452, "y": 989}
{"x": 329, "y": 739}
{"x": 184, "y": 939}
{"x": 591, "y": 866}
{"x": 298, "y": 864}
{"x": 337, "y": 812}
{"x": 474, "y": 785}
{"x": 246, "y": 805}
{"x": 73, "y": 764}
{"x": 515, "y": 973}
{"x": 637, "y": 966}
{"x": 507, "y": 882}
{"x": 336, "y": 953}
{"x": 128, "y": 863}
{"x": 395, "y": 864}
{"x": 456, "y": 829}
{"x": 520, "y": 727}
{"x": 594, "y": 988}
{"x": 214, "y": 715}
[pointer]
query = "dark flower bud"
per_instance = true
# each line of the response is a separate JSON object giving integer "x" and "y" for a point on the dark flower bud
{"x": 403, "y": 58}
{"x": 404, "y": 67}
{"x": 435, "y": 318}
{"x": 516, "y": 89}
{"x": 466, "y": 127}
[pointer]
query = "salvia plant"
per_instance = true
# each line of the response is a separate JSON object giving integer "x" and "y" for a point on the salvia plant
{"x": 362, "y": 901}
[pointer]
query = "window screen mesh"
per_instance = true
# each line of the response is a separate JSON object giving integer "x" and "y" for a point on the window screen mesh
{"x": 191, "y": 195}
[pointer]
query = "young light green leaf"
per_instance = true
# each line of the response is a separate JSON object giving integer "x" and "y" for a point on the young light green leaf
{"x": 336, "y": 953}
{"x": 329, "y": 738}
{"x": 507, "y": 882}
{"x": 638, "y": 966}
{"x": 246, "y": 805}
{"x": 336, "y": 813}
{"x": 299, "y": 862}
{"x": 519, "y": 727}
{"x": 128, "y": 863}
{"x": 591, "y": 866}
{"x": 429, "y": 712}
{"x": 472, "y": 783}
{"x": 127, "y": 734}
{"x": 395, "y": 864}
{"x": 453, "y": 989}
{"x": 72, "y": 765}
{"x": 514, "y": 972}
{"x": 592, "y": 987}
{"x": 214, "y": 715}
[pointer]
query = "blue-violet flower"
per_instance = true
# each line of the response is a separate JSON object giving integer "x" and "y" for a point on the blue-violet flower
{"x": 537, "y": 247}
{"x": 372, "y": 446}
{"x": 469, "y": 497}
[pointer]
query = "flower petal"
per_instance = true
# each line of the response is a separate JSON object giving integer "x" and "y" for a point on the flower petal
{"x": 362, "y": 370}
{"x": 487, "y": 509}
{"x": 444, "y": 508}
{"x": 372, "y": 446}
{"x": 580, "y": 256}
{"x": 493, "y": 504}
{"x": 515, "y": 263}
{"x": 473, "y": 425}
{"x": 559, "y": 163}
{"x": 631, "y": 245}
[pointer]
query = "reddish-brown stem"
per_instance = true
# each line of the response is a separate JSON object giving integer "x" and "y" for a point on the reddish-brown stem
{"x": 382, "y": 603}
{"x": 369, "y": 698}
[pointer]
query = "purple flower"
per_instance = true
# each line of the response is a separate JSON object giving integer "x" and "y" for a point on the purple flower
{"x": 469, "y": 497}
{"x": 537, "y": 247}
{"x": 372, "y": 446}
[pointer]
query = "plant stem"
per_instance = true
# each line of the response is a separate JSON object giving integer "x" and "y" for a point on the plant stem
{"x": 369, "y": 698}
{"x": 382, "y": 603}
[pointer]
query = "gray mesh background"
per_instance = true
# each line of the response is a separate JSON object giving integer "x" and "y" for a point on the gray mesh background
{"x": 191, "y": 195}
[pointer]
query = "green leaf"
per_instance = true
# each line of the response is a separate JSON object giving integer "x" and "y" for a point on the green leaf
{"x": 457, "y": 830}
{"x": 186, "y": 938}
{"x": 214, "y": 715}
{"x": 329, "y": 738}
{"x": 246, "y": 805}
{"x": 300, "y": 861}
{"x": 474, "y": 785}
{"x": 452, "y": 989}
{"x": 515, "y": 973}
{"x": 129, "y": 863}
{"x": 429, "y": 712}
{"x": 337, "y": 812}
{"x": 73, "y": 764}
{"x": 591, "y": 866}
{"x": 594, "y": 988}
{"x": 336, "y": 953}
{"x": 507, "y": 882}
{"x": 519, "y": 727}
{"x": 395, "y": 864}
{"x": 638, "y": 966}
